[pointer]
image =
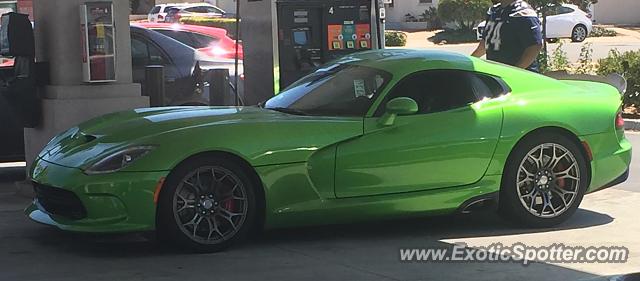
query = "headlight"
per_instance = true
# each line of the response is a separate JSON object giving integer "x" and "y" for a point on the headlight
{"x": 118, "y": 160}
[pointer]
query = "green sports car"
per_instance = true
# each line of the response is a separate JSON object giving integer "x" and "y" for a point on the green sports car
{"x": 375, "y": 135}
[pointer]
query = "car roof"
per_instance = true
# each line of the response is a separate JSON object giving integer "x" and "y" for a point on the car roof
{"x": 171, "y": 4}
{"x": 401, "y": 56}
{"x": 402, "y": 62}
{"x": 207, "y": 30}
{"x": 189, "y": 5}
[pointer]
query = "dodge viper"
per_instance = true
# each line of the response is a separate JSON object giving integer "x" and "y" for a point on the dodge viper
{"x": 376, "y": 135}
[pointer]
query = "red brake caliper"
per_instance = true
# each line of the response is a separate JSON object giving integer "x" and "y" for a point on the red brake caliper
{"x": 561, "y": 182}
{"x": 229, "y": 203}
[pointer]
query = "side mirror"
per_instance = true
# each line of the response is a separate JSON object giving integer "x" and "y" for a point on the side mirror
{"x": 398, "y": 107}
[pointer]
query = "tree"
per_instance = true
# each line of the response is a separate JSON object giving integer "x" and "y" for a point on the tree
{"x": 133, "y": 5}
{"x": 583, "y": 4}
{"x": 543, "y": 7}
{"x": 466, "y": 14}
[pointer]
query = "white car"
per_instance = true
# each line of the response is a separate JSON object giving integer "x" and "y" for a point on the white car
{"x": 563, "y": 21}
{"x": 204, "y": 10}
{"x": 159, "y": 12}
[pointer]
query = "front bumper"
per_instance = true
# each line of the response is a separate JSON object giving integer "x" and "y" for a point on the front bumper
{"x": 117, "y": 202}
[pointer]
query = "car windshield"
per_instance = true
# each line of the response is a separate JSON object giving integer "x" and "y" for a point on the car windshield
{"x": 336, "y": 90}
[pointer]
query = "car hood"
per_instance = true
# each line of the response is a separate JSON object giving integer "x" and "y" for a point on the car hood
{"x": 249, "y": 131}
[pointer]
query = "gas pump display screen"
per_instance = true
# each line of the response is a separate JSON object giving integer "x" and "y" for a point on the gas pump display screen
{"x": 301, "y": 37}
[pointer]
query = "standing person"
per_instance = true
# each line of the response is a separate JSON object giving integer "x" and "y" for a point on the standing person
{"x": 512, "y": 35}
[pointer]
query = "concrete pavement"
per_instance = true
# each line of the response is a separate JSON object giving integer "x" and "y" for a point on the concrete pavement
{"x": 29, "y": 251}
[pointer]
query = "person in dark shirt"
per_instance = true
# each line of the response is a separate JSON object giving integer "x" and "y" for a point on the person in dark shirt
{"x": 512, "y": 35}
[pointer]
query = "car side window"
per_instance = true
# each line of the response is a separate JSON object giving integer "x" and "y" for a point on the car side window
{"x": 168, "y": 8}
{"x": 144, "y": 53}
{"x": 485, "y": 86}
{"x": 182, "y": 36}
{"x": 198, "y": 9}
{"x": 155, "y": 55}
{"x": 213, "y": 10}
{"x": 435, "y": 91}
{"x": 139, "y": 51}
{"x": 155, "y": 10}
{"x": 565, "y": 10}
{"x": 553, "y": 10}
{"x": 203, "y": 41}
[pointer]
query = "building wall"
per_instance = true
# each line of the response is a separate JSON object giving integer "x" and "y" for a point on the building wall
{"x": 396, "y": 12}
{"x": 617, "y": 11}
{"x": 228, "y": 6}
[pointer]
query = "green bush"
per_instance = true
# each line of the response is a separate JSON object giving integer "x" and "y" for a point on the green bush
{"x": 559, "y": 60}
{"x": 602, "y": 32}
{"x": 226, "y": 23}
{"x": 466, "y": 14}
{"x": 395, "y": 39}
{"x": 585, "y": 61}
{"x": 430, "y": 16}
{"x": 627, "y": 64}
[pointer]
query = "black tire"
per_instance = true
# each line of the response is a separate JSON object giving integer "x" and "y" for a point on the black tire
{"x": 553, "y": 40}
{"x": 171, "y": 230}
{"x": 579, "y": 33}
{"x": 511, "y": 206}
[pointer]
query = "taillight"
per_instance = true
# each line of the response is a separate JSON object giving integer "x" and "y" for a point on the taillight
{"x": 619, "y": 121}
{"x": 589, "y": 16}
{"x": 160, "y": 17}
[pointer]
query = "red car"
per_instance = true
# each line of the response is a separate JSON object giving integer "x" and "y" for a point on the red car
{"x": 209, "y": 40}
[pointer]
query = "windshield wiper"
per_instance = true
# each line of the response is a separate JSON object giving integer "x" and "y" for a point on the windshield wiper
{"x": 289, "y": 110}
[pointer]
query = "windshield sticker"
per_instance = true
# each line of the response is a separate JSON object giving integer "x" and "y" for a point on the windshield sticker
{"x": 359, "y": 88}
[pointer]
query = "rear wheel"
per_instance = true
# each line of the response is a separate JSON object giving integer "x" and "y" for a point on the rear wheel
{"x": 545, "y": 180}
{"x": 207, "y": 205}
{"x": 579, "y": 33}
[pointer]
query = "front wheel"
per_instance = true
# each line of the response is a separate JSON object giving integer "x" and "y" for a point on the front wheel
{"x": 544, "y": 181}
{"x": 579, "y": 33}
{"x": 206, "y": 205}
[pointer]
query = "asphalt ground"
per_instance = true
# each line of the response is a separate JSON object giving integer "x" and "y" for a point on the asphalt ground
{"x": 368, "y": 251}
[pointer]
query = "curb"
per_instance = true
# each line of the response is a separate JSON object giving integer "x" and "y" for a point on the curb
{"x": 632, "y": 124}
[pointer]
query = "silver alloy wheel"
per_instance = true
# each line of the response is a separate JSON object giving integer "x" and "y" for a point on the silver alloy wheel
{"x": 210, "y": 205}
{"x": 548, "y": 180}
{"x": 579, "y": 33}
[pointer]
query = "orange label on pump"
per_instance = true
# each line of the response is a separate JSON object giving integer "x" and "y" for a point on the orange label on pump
{"x": 335, "y": 37}
{"x": 364, "y": 35}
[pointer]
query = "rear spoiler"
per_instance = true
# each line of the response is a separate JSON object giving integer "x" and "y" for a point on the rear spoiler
{"x": 615, "y": 80}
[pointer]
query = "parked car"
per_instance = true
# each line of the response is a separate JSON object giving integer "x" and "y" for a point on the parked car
{"x": 159, "y": 12}
{"x": 202, "y": 10}
{"x": 372, "y": 136}
{"x": 210, "y": 40}
{"x": 183, "y": 83}
{"x": 563, "y": 21}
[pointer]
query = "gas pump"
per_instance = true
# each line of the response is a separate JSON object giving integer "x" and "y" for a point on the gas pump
{"x": 311, "y": 33}
{"x": 304, "y": 35}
